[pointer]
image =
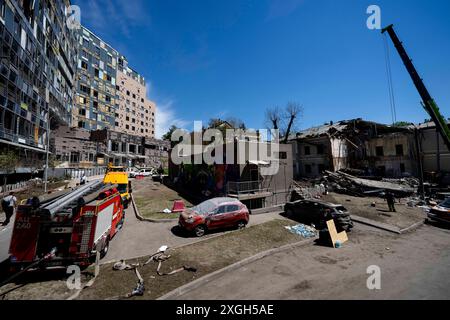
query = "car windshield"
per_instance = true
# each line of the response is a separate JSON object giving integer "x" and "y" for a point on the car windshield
{"x": 445, "y": 203}
{"x": 205, "y": 207}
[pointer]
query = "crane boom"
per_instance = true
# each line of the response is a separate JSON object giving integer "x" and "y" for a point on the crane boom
{"x": 428, "y": 102}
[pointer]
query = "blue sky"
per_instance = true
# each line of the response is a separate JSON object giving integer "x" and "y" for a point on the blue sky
{"x": 229, "y": 58}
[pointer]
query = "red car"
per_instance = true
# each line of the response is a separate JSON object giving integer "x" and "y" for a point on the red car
{"x": 217, "y": 213}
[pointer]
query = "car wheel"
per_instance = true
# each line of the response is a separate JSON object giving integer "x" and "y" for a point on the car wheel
{"x": 289, "y": 213}
{"x": 200, "y": 231}
{"x": 105, "y": 249}
{"x": 241, "y": 225}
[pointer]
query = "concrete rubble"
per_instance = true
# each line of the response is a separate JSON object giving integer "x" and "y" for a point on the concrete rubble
{"x": 345, "y": 183}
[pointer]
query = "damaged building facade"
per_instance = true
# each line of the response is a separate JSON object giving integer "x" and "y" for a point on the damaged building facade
{"x": 113, "y": 120}
{"x": 37, "y": 68}
{"x": 79, "y": 148}
{"x": 373, "y": 149}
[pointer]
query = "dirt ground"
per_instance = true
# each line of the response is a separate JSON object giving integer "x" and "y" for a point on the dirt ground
{"x": 403, "y": 218}
{"x": 152, "y": 198}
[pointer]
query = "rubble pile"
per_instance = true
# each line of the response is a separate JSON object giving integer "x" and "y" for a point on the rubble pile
{"x": 345, "y": 183}
{"x": 300, "y": 192}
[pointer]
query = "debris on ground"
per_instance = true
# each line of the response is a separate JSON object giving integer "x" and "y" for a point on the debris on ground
{"x": 345, "y": 183}
{"x": 122, "y": 265}
{"x": 300, "y": 192}
{"x": 303, "y": 230}
{"x": 178, "y": 206}
{"x": 330, "y": 236}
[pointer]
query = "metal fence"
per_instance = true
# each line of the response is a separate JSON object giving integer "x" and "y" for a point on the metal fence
{"x": 245, "y": 187}
{"x": 12, "y": 187}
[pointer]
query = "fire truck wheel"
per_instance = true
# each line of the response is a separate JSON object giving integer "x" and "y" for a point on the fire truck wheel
{"x": 105, "y": 249}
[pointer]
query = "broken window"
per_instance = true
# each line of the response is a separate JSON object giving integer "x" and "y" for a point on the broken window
{"x": 399, "y": 150}
{"x": 320, "y": 149}
{"x": 307, "y": 151}
{"x": 380, "y": 151}
{"x": 283, "y": 155}
{"x": 402, "y": 168}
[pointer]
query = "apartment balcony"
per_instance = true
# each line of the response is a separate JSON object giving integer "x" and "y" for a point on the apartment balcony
{"x": 247, "y": 190}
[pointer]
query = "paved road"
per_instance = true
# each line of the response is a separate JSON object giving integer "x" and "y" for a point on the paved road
{"x": 140, "y": 238}
{"x": 5, "y": 239}
{"x": 413, "y": 266}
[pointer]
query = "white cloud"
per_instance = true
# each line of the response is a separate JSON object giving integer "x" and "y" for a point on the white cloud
{"x": 166, "y": 117}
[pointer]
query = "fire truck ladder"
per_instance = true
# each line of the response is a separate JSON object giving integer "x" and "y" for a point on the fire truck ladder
{"x": 71, "y": 199}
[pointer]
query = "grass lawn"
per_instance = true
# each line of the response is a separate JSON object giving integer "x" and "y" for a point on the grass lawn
{"x": 207, "y": 256}
{"x": 152, "y": 198}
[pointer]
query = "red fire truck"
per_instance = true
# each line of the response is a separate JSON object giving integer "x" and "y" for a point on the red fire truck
{"x": 66, "y": 228}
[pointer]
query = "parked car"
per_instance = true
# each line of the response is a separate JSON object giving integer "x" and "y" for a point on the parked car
{"x": 440, "y": 213}
{"x": 318, "y": 213}
{"x": 217, "y": 213}
{"x": 147, "y": 172}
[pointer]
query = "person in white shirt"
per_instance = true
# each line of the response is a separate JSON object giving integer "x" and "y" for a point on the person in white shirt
{"x": 9, "y": 203}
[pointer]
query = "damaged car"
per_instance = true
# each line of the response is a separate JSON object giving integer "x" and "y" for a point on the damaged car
{"x": 441, "y": 212}
{"x": 213, "y": 214}
{"x": 317, "y": 213}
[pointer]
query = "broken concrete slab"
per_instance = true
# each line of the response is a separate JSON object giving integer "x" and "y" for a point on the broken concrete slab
{"x": 346, "y": 183}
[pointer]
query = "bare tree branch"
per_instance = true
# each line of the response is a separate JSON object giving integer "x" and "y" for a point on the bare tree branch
{"x": 293, "y": 112}
{"x": 274, "y": 118}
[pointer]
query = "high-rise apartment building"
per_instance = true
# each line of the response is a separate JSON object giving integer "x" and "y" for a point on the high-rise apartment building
{"x": 95, "y": 101}
{"x": 135, "y": 114}
{"x": 37, "y": 68}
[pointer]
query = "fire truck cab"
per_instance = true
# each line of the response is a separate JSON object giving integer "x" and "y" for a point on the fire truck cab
{"x": 72, "y": 225}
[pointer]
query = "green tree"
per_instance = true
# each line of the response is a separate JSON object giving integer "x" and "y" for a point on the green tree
{"x": 402, "y": 124}
{"x": 168, "y": 135}
{"x": 8, "y": 163}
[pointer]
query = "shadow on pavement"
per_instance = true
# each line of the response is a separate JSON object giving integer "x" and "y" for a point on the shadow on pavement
{"x": 180, "y": 232}
{"x": 437, "y": 224}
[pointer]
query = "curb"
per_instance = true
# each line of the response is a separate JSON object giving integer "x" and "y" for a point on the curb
{"x": 386, "y": 227}
{"x": 375, "y": 224}
{"x": 141, "y": 218}
{"x": 413, "y": 227}
{"x": 218, "y": 273}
